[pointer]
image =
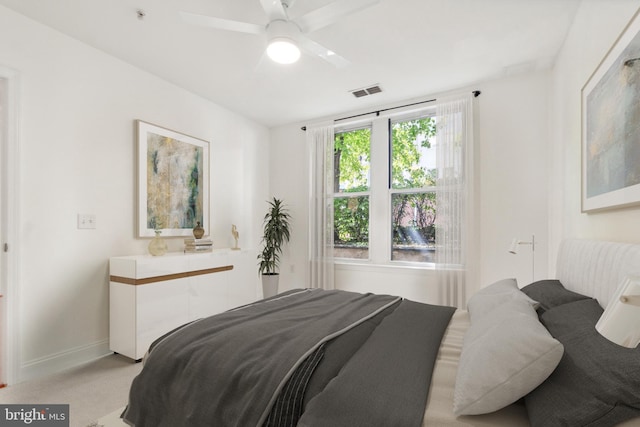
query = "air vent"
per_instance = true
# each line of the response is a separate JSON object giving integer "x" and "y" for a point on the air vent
{"x": 374, "y": 89}
{"x": 359, "y": 93}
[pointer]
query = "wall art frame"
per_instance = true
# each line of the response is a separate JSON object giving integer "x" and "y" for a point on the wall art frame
{"x": 173, "y": 182}
{"x": 611, "y": 126}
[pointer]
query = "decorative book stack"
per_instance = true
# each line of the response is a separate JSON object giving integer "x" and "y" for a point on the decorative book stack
{"x": 198, "y": 245}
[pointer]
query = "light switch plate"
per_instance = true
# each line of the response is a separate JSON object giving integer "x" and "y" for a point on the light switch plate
{"x": 86, "y": 221}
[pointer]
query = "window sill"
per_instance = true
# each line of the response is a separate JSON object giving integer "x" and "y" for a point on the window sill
{"x": 355, "y": 264}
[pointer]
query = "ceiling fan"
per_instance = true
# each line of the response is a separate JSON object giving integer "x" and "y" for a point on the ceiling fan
{"x": 286, "y": 37}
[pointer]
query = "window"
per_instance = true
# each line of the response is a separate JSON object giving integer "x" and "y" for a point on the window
{"x": 395, "y": 192}
{"x": 352, "y": 155}
{"x": 386, "y": 204}
{"x": 412, "y": 192}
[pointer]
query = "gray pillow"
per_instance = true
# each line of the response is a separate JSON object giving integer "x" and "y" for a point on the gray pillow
{"x": 597, "y": 382}
{"x": 493, "y": 296}
{"x": 505, "y": 354}
{"x": 551, "y": 293}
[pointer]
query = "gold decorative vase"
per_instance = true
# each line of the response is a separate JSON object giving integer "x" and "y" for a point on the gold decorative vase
{"x": 198, "y": 231}
{"x": 157, "y": 245}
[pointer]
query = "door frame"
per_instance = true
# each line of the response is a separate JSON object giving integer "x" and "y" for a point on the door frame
{"x": 9, "y": 229}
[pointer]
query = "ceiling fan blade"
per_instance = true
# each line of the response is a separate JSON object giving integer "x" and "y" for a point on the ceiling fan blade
{"x": 330, "y": 13}
{"x": 321, "y": 51}
{"x": 274, "y": 9}
{"x": 222, "y": 24}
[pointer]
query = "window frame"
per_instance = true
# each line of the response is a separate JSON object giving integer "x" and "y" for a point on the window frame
{"x": 380, "y": 192}
{"x": 344, "y": 195}
{"x": 431, "y": 113}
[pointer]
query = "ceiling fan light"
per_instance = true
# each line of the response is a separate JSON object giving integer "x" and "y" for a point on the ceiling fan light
{"x": 283, "y": 51}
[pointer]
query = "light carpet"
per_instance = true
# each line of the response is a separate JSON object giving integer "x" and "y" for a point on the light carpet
{"x": 110, "y": 420}
{"x": 91, "y": 390}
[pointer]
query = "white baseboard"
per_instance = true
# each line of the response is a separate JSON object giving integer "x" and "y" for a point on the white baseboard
{"x": 57, "y": 362}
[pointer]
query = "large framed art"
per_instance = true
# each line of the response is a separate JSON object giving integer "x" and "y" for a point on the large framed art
{"x": 173, "y": 181}
{"x": 611, "y": 126}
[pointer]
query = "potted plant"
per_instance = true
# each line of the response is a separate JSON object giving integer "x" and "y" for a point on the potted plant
{"x": 276, "y": 233}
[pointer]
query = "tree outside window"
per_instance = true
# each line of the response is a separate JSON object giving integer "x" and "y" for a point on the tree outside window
{"x": 413, "y": 197}
{"x": 352, "y": 156}
{"x": 410, "y": 188}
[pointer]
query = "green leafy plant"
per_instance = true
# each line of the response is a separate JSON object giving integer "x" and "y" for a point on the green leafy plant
{"x": 276, "y": 232}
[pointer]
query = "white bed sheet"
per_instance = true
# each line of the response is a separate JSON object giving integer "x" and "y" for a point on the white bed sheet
{"x": 439, "y": 410}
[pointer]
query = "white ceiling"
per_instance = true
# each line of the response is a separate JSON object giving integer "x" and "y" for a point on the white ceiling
{"x": 411, "y": 48}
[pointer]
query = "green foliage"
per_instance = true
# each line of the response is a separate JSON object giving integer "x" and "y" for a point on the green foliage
{"x": 413, "y": 214}
{"x": 352, "y": 156}
{"x": 276, "y": 232}
{"x": 351, "y": 221}
{"x": 406, "y": 140}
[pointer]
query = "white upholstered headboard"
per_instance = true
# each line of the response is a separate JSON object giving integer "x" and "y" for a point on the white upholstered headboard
{"x": 596, "y": 268}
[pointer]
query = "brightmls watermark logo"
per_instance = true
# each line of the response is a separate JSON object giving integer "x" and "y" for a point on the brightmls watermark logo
{"x": 34, "y": 415}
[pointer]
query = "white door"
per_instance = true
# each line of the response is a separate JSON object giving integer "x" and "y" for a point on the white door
{"x": 3, "y": 203}
{"x": 8, "y": 226}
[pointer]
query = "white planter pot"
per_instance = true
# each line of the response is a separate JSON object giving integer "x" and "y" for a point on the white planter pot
{"x": 270, "y": 285}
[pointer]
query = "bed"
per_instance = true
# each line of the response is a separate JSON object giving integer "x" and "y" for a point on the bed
{"x": 518, "y": 356}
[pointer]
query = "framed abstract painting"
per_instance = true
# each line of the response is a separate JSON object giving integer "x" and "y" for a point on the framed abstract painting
{"x": 173, "y": 181}
{"x": 611, "y": 126}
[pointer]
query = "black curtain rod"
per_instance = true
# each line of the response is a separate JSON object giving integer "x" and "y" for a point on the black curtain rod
{"x": 476, "y": 93}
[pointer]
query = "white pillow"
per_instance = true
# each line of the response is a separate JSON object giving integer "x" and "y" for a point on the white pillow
{"x": 489, "y": 298}
{"x": 505, "y": 354}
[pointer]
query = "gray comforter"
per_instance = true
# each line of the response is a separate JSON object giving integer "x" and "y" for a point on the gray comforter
{"x": 367, "y": 361}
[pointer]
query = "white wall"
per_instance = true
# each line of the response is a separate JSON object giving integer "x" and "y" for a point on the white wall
{"x": 77, "y": 155}
{"x": 513, "y": 168}
{"x": 512, "y": 140}
{"x": 288, "y": 178}
{"x": 596, "y": 27}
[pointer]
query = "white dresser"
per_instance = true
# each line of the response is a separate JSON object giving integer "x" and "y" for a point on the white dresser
{"x": 149, "y": 296}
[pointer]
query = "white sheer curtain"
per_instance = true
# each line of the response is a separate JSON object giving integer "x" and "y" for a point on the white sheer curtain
{"x": 455, "y": 235}
{"x": 320, "y": 139}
